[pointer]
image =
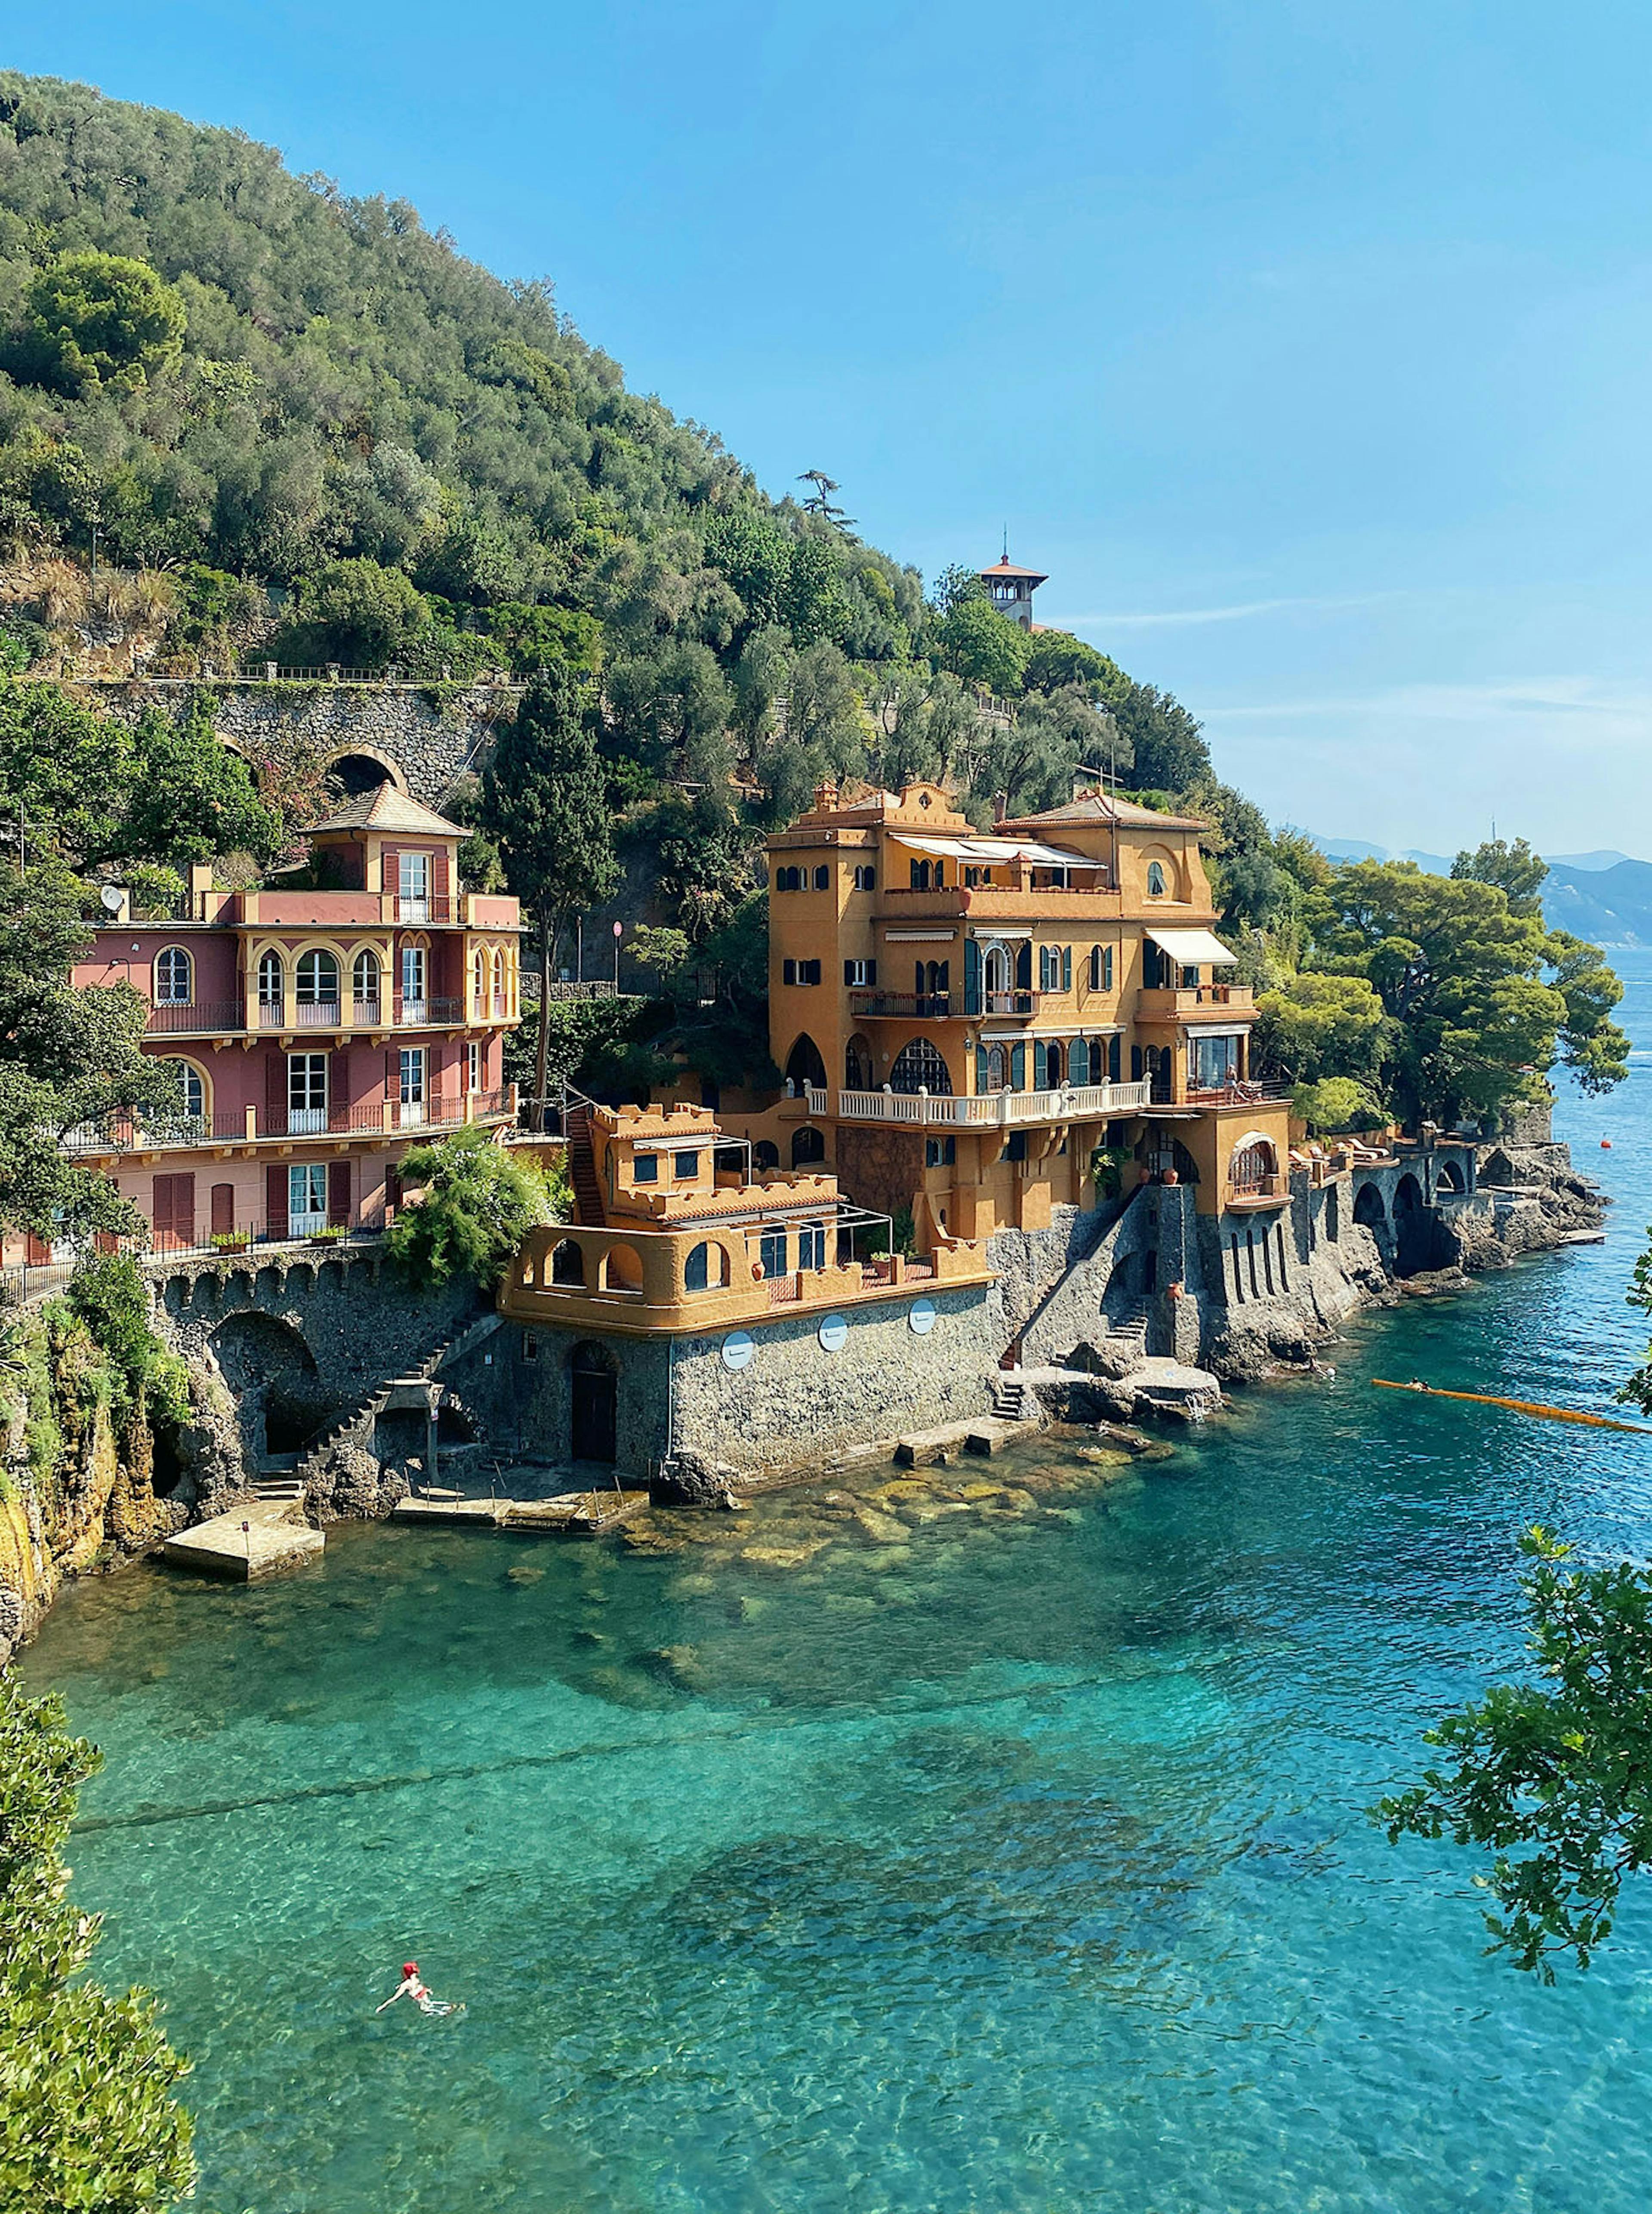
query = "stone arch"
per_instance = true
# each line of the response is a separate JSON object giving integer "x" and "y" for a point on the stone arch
{"x": 1368, "y": 1207}
{"x": 567, "y": 1263}
{"x": 765, "y": 1154}
{"x": 1186, "y": 1168}
{"x": 265, "y": 1360}
{"x": 1451, "y": 1177}
{"x": 804, "y": 1064}
{"x": 363, "y": 769}
{"x": 1253, "y": 1161}
{"x": 920, "y": 1066}
{"x": 1413, "y": 1227}
{"x": 621, "y": 1269}
{"x": 808, "y": 1146}
{"x": 858, "y": 1063}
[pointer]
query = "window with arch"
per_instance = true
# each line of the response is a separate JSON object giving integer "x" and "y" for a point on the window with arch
{"x": 807, "y": 1146}
{"x": 499, "y": 1006}
{"x": 706, "y": 1270}
{"x": 865, "y": 879}
{"x": 567, "y": 1263}
{"x": 175, "y": 980}
{"x": 479, "y": 978}
{"x": 822, "y": 879}
{"x": 1155, "y": 880}
{"x": 316, "y": 981}
{"x": 272, "y": 980}
{"x": 195, "y": 1091}
{"x": 919, "y": 1066}
{"x": 365, "y": 980}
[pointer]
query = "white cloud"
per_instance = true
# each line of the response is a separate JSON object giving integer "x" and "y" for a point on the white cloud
{"x": 1241, "y": 611}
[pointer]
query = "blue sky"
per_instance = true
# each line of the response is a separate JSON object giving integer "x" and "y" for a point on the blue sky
{"x": 1306, "y": 347}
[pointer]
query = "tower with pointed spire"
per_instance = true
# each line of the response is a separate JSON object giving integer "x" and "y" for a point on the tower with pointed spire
{"x": 1011, "y": 588}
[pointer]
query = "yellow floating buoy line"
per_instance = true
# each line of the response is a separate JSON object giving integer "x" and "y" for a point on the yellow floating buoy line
{"x": 1518, "y": 1406}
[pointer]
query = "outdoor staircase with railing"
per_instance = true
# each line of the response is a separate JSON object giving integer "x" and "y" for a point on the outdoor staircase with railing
{"x": 366, "y": 1409}
{"x": 582, "y": 1161}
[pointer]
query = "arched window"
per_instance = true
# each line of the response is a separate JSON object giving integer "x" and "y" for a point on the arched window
{"x": 1155, "y": 880}
{"x": 706, "y": 1270}
{"x": 271, "y": 983}
{"x": 499, "y": 1007}
{"x": 479, "y": 979}
{"x": 364, "y": 979}
{"x": 857, "y": 1063}
{"x": 804, "y": 1064}
{"x": 766, "y": 1155}
{"x": 807, "y": 1146}
{"x": 1253, "y": 1166}
{"x": 919, "y": 1068}
{"x": 567, "y": 1263}
{"x": 194, "y": 1085}
{"x": 173, "y": 978}
{"x": 1053, "y": 1065}
{"x": 994, "y": 1070}
{"x": 317, "y": 979}
{"x": 997, "y": 976}
{"x": 621, "y": 1269}
{"x": 1078, "y": 1064}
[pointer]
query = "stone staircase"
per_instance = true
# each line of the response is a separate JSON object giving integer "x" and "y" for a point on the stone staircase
{"x": 1128, "y": 1332}
{"x": 1009, "y": 1399}
{"x": 359, "y": 1417}
{"x": 582, "y": 1165}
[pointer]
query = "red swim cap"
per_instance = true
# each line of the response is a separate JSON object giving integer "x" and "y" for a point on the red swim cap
{"x": 410, "y": 1967}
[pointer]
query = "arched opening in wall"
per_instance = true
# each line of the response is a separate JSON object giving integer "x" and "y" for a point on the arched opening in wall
{"x": 1157, "y": 1068}
{"x": 621, "y": 1269}
{"x": 1253, "y": 1169}
{"x": 456, "y": 1425}
{"x": 1186, "y": 1168}
{"x": 808, "y": 1146}
{"x": 857, "y": 1063}
{"x": 1413, "y": 1227}
{"x": 919, "y": 1068}
{"x": 358, "y": 773}
{"x": 805, "y": 1065}
{"x": 1450, "y": 1177}
{"x": 594, "y": 1403}
{"x": 765, "y": 1154}
{"x": 706, "y": 1268}
{"x": 279, "y": 1393}
{"x": 1368, "y": 1208}
{"x": 567, "y": 1263}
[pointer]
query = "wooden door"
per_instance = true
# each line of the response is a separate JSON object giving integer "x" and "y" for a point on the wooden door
{"x": 595, "y": 1411}
{"x": 224, "y": 1209}
{"x": 175, "y": 1213}
{"x": 338, "y": 1195}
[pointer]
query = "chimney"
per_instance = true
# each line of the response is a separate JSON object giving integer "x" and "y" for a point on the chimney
{"x": 825, "y": 798}
{"x": 200, "y": 890}
{"x": 1000, "y": 806}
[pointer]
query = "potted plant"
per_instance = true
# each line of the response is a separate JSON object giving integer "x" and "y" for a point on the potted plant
{"x": 333, "y": 1234}
{"x": 231, "y": 1241}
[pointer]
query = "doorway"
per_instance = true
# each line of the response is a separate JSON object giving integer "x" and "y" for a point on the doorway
{"x": 594, "y": 1399}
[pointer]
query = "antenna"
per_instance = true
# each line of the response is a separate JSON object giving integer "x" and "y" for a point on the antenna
{"x": 1007, "y": 544}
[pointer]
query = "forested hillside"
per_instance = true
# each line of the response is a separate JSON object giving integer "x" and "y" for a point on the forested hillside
{"x": 243, "y": 416}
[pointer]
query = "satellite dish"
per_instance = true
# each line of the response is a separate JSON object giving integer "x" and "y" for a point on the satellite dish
{"x": 114, "y": 898}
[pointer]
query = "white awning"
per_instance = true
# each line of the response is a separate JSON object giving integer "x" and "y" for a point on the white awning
{"x": 1192, "y": 947}
{"x": 990, "y": 850}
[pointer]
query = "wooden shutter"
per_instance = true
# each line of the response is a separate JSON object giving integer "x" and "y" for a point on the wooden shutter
{"x": 1114, "y": 1058}
{"x": 1018, "y": 1068}
{"x": 981, "y": 1069}
{"x": 175, "y": 1211}
{"x": 1040, "y": 1065}
{"x": 36, "y": 1251}
{"x": 224, "y": 1209}
{"x": 275, "y": 1200}
{"x": 275, "y": 1093}
{"x": 338, "y": 1193}
{"x": 1024, "y": 965}
{"x": 440, "y": 875}
{"x": 1078, "y": 1063}
{"x": 337, "y": 1090}
{"x": 971, "y": 976}
{"x": 1066, "y": 968}
{"x": 389, "y": 862}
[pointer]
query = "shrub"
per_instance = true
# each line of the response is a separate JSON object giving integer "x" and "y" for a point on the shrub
{"x": 479, "y": 1202}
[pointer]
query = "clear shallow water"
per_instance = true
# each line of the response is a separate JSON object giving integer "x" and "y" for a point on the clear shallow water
{"x": 1018, "y": 1864}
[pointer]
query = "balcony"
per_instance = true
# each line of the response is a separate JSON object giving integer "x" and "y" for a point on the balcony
{"x": 1207, "y": 1002}
{"x": 993, "y": 1110}
{"x": 1253, "y": 1193}
{"x": 401, "y": 1012}
{"x": 1237, "y": 1094}
{"x": 939, "y": 1007}
{"x": 205, "y": 1018}
{"x": 256, "y": 1125}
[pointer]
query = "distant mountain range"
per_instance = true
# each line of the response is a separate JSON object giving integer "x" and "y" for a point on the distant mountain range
{"x": 1605, "y": 895}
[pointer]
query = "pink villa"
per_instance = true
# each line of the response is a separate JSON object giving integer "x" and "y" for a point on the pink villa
{"x": 320, "y": 1033}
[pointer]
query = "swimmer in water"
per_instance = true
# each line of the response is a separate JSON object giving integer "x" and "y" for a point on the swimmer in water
{"x": 411, "y": 1988}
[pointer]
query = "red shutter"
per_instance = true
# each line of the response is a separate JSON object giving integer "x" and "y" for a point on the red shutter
{"x": 224, "y": 1209}
{"x": 392, "y": 1192}
{"x": 338, "y": 1193}
{"x": 338, "y": 1091}
{"x": 174, "y": 1212}
{"x": 390, "y": 861}
{"x": 440, "y": 877}
{"x": 275, "y": 1093}
{"x": 37, "y": 1252}
{"x": 275, "y": 1200}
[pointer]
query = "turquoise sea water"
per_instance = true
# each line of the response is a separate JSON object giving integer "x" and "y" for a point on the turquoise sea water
{"x": 1018, "y": 1864}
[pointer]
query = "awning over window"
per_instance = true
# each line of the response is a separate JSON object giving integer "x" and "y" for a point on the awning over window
{"x": 1192, "y": 947}
{"x": 996, "y": 849}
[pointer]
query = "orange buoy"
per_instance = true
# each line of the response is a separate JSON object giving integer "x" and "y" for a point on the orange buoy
{"x": 1606, "y": 1144}
{"x": 1519, "y": 1406}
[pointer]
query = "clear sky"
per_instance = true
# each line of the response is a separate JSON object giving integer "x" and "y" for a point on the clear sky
{"x": 1306, "y": 346}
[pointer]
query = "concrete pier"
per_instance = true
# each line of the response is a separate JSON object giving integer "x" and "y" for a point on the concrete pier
{"x": 247, "y": 1543}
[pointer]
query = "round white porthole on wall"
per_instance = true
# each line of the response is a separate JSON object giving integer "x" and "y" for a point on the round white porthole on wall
{"x": 737, "y": 1349}
{"x": 834, "y": 1333}
{"x": 921, "y": 1320}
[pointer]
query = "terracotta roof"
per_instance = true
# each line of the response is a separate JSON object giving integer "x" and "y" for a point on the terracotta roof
{"x": 1102, "y": 807}
{"x": 384, "y": 808}
{"x": 1008, "y": 568}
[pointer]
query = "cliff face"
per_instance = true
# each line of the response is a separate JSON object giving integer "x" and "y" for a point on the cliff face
{"x": 77, "y": 1484}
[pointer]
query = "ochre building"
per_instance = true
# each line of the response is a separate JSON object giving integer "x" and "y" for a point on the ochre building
{"x": 984, "y": 1027}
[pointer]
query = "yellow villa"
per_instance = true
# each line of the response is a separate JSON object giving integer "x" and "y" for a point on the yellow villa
{"x": 980, "y": 1026}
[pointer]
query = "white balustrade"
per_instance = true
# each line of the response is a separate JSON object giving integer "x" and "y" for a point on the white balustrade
{"x": 990, "y": 1110}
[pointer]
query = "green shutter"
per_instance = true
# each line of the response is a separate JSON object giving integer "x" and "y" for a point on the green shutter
{"x": 972, "y": 977}
{"x": 1066, "y": 968}
{"x": 1018, "y": 1068}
